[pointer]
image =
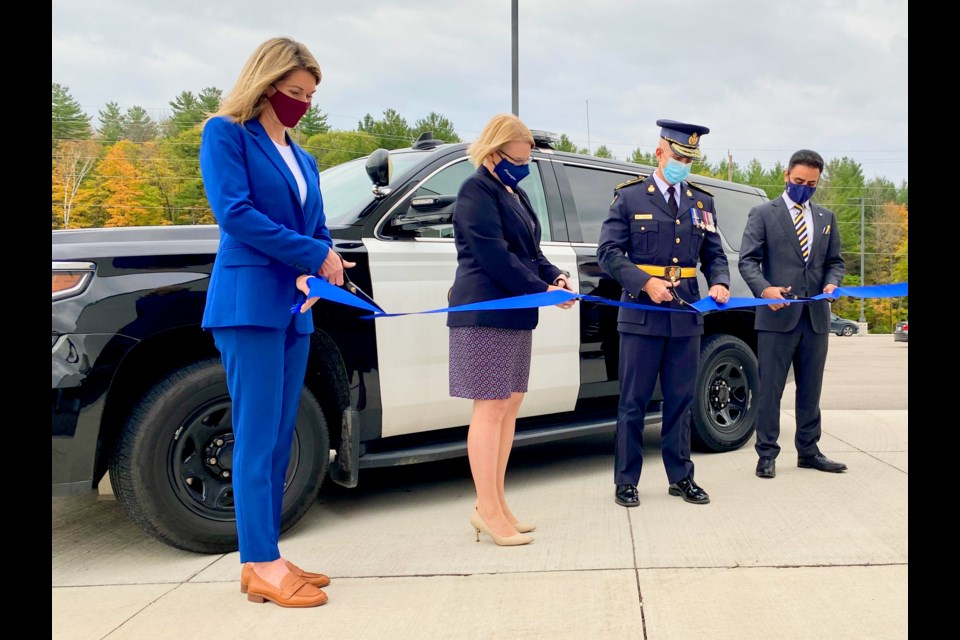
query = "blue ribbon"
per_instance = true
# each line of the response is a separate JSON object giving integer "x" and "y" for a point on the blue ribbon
{"x": 320, "y": 288}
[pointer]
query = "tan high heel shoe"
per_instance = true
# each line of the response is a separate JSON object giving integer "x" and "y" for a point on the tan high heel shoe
{"x": 509, "y": 541}
{"x": 522, "y": 528}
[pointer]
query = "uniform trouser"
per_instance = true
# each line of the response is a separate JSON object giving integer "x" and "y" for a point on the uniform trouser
{"x": 807, "y": 350}
{"x": 642, "y": 359}
{"x": 265, "y": 373}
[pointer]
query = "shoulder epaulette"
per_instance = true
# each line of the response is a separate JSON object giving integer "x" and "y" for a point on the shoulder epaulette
{"x": 636, "y": 180}
{"x": 699, "y": 188}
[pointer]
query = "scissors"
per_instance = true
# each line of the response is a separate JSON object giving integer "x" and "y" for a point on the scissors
{"x": 360, "y": 293}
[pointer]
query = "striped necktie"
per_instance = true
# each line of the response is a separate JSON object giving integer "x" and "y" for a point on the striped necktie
{"x": 801, "y": 228}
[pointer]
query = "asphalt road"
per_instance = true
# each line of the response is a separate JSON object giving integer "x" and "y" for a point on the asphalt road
{"x": 862, "y": 372}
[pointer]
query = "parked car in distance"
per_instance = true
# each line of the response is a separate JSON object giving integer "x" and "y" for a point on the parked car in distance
{"x": 843, "y": 326}
{"x": 900, "y": 332}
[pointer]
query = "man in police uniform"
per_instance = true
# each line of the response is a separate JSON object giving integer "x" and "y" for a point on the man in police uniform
{"x": 657, "y": 230}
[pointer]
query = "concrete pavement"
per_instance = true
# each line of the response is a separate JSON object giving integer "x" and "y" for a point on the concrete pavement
{"x": 807, "y": 554}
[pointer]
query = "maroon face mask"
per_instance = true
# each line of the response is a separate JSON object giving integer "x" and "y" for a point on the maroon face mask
{"x": 289, "y": 110}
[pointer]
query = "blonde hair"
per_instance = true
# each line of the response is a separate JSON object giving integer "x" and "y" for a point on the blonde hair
{"x": 273, "y": 60}
{"x": 502, "y": 128}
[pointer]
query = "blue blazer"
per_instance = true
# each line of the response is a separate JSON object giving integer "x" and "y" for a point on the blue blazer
{"x": 498, "y": 255}
{"x": 267, "y": 238}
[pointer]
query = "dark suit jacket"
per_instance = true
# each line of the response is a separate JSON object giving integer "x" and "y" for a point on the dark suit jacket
{"x": 770, "y": 256}
{"x": 641, "y": 229}
{"x": 498, "y": 256}
{"x": 267, "y": 238}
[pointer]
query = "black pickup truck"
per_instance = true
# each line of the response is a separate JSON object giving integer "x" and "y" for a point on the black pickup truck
{"x": 138, "y": 388}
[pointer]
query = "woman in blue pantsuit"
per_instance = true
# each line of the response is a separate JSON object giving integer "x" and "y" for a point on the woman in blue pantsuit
{"x": 264, "y": 191}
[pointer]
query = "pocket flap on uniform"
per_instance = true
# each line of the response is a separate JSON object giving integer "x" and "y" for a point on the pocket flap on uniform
{"x": 241, "y": 256}
{"x": 644, "y": 226}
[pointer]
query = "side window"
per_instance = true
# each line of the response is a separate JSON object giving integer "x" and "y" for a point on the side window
{"x": 593, "y": 193}
{"x": 732, "y": 210}
{"x": 429, "y": 212}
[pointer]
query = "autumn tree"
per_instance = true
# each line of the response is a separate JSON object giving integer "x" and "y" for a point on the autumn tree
{"x": 125, "y": 193}
{"x": 72, "y": 163}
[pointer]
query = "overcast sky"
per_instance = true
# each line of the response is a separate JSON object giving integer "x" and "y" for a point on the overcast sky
{"x": 766, "y": 76}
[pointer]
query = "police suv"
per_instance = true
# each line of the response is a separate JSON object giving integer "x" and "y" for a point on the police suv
{"x": 139, "y": 390}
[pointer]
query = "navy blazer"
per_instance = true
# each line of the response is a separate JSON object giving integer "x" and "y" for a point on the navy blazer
{"x": 267, "y": 238}
{"x": 770, "y": 256}
{"x": 498, "y": 254}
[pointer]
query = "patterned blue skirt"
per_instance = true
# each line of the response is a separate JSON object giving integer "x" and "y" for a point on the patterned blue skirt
{"x": 489, "y": 363}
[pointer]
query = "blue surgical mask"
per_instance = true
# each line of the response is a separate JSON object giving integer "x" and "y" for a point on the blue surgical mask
{"x": 675, "y": 171}
{"x": 799, "y": 193}
{"x": 511, "y": 174}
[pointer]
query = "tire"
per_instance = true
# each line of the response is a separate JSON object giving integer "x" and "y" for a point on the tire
{"x": 724, "y": 406}
{"x": 171, "y": 468}
{"x": 847, "y": 330}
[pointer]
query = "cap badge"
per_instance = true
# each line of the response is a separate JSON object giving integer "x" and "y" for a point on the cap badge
{"x": 693, "y": 138}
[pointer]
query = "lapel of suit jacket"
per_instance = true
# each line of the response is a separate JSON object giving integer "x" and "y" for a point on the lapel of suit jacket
{"x": 536, "y": 222}
{"x": 311, "y": 202}
{"x": 819, "y": 223}
{"x": 506, "y": 202}
{"x": 786, "y": 221}
{"x": 263, "y": 140}
{"x": 657, "y": 197}
{"x": 687, "y": 200}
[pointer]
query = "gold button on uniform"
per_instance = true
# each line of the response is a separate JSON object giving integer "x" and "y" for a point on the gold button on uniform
{"x": 675, "y": 261}
{"x": 678, "y": 240}
{"x": 678, "y": 220}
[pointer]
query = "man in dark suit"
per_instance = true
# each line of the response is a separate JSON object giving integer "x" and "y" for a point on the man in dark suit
{"x": 791, "y": 249}
{"x": 658, "y": 229}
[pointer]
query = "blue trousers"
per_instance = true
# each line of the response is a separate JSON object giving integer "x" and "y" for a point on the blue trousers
{"x": 265, "y": 373}
{"x": 642, "y": 360}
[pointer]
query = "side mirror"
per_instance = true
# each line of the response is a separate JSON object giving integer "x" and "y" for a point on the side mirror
{"x": 379, "y": 168}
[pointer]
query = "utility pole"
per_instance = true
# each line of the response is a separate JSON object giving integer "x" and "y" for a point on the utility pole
{"x": 514, "y": 13}
{"x": 588, "y": 126}
{"x": 729, "y": 166}
{"x": 863, "y": 274}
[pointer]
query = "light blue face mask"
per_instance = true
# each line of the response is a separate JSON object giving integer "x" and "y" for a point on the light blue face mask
{"x": 675, "y": 171}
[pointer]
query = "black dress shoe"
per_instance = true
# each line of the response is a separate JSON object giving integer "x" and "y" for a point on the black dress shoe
{"x": 690, "y": 491}
{"x": 627, "y": 495}
{"x": 766, "y": 467}
{"x": 820, "y": 462}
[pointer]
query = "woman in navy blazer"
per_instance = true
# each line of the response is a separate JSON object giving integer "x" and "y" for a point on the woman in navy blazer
{"x": 497, "y": 236}
{"x": 264, "y": 191}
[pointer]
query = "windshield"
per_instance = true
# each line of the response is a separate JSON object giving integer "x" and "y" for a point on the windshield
{"x": 346, "y": 188}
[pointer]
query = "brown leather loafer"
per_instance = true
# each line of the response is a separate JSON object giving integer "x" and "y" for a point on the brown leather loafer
{"x": 316, "y": 579}
{"x": 293, "y": 592}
